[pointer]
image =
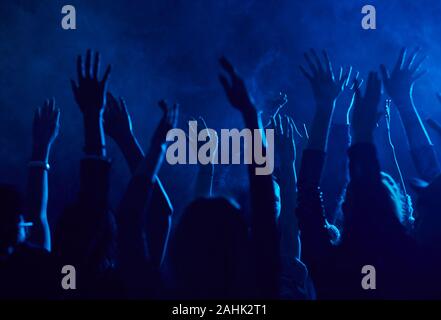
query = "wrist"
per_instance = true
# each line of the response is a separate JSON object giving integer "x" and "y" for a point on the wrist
{"x": 92, "y": 117}
{"x": 40, "y": 153}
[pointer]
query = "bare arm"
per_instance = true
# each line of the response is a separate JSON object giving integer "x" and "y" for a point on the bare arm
{"x": 134, "y": 249}
{"x": 45, "y": 131}
{"x": 285, "y": 153}
{"x": 264, "y": 231}
{"x": 90, "y": 210}
{"x": 316, "y": 244}
{"x": 118, "y": 125}
{"x": 399, "y": 85}
{"x": 204, "y": 179}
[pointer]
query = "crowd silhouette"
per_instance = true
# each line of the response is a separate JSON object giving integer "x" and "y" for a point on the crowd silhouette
{"x": 287, "y": 247}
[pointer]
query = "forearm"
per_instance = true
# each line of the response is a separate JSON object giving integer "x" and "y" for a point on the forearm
{"x": 319, "y": 132}
{"x": 336, "y": 173}
{"x": 262, "y": 188}
{"x": 133, "y": 251}
{"x": 151, "y": 164}
{"x": 95, "y": 143}
{"x": 426, "y": 162}
{"x": 37, "y": 192}
{"x": 264, "y": 230}
{"x": 140, "y": 188}
{"x": 132, "y": 151}
{"x": 159, "y": 222}
{"x": 289, "y": 232}
{"x": 416, "y": 133}
{"x": 94, "y": 187}
{"x": 130, "y": 214}
{"x": 364, "y": 166}
{"x": 134, "y": 156}
{"x": 204, "y": 181}
{"x": 160, "y": 207}
{"x": 289, "y": 176}
{"x": 316, "y": 244}
{"x": 130, "y": 217}
{"x": 423, "y": 155}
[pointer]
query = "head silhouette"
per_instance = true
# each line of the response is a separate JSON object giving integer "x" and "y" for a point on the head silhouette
{"x": 208, "y": 250}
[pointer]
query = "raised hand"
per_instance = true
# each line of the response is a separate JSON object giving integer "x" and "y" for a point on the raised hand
{"x": 117, "y": 121}
{"x": 155, "y": 154}
{"x": 285, "y": 148}
{"x": 45, "y": 129}
{"x": 365, "y": 111}
{"x": 235, "y": 88}
{"x": 90, "y": 92}
{"x": 169, "y": 121}
{"x": 325, "y": 86}
{"x": 342, "y": 112}
{"x": 399, "y": 84}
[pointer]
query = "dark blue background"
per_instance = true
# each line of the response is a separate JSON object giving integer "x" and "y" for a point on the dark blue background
{"x": 169, "y": 49}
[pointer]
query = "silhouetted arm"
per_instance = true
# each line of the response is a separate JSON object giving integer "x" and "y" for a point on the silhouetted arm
{"x": 317, "y": 250}
{"x": 294, "y": 274}
{"x": 399, "y": 86}
{"x": 264, "y": 231}
{"x": 84, "y": 224}
{"x": 316, "y": 242}
{"x": 118, "y": 125}
{"x": 45, "y": 131}
{"x": 336, "y": 173}
{"x": 285, "y": 156}
{"x": 364, "y": 166}
{"x": 90, "y": 95}
{"x": 204, "y": 181}
{"x": 204, "y": 178}
{"x": 134, "y": 248}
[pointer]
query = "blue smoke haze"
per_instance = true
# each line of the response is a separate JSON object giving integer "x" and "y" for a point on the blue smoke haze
{"x": 169, "y": 49}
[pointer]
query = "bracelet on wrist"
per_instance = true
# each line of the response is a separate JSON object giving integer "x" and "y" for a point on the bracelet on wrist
{"x": 39, "y": 164}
